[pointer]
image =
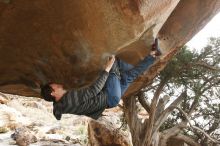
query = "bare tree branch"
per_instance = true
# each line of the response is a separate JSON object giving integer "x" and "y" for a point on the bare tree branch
{"x": 217, "y": 81}
{"x": 168, "y": 110}
{"x": 193, "y": 105}
{"x": 197, "y": 128}
{"x": 207, "y": 66}
{"x": 157, "y": 94}
{"x": 214, "y": 126}
{"x": 148, "y": 88}
{"x": 173, "y": 131}
{"x": 161, "y": 106}
{"x": 148, "y": 135}
{"x": 186, "y": 139}
{"x": 144, "y": 102}
{"x": 208, "y": 80}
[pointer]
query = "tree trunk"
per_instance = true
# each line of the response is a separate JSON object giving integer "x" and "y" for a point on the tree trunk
{"x": 135, "y": 125}
{"x": 140, "y": 131}
{"x": 138, "y": 128}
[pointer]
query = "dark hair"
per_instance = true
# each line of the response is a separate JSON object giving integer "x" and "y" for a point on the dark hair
{"x": 46, "y": 91}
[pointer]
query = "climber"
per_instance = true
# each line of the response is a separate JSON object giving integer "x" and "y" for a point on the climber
{"x": 105, "y": 92}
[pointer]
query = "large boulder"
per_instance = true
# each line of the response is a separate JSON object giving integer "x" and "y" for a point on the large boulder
{"x": 23, "y": 136}
{"x": 105, "y": 133}
{"x": 67, "y": 41}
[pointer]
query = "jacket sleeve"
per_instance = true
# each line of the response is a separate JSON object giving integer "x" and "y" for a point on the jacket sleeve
{"x": 95, "y": 88}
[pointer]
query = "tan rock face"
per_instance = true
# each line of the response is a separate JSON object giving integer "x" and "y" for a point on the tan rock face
{"x": 67, "y": 41}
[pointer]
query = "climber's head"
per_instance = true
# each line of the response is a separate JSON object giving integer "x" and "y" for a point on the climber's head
{"x": 52, "y": 91}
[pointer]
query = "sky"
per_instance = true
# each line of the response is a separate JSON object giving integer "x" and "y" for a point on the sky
{"x": 212, "y": 29}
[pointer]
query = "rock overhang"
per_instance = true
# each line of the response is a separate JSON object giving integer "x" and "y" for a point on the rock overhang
{"x": 67, "y": 41}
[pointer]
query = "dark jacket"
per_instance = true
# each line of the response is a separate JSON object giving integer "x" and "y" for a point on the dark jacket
{"x": 90, "y": 101}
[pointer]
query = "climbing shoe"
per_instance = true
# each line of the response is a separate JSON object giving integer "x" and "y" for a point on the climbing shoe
{"x": 155, "y": 47}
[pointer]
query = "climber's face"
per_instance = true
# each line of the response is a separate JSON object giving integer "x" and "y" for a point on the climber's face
{"x": 58, "y": 90}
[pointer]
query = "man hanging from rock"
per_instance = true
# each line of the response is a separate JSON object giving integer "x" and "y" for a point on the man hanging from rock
{"x": 105, "y": 92}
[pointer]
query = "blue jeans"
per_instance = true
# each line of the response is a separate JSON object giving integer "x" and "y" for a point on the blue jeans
{"x": 115, "y": 87}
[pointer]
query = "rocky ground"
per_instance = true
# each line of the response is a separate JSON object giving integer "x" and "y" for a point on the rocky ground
{"x": 29, "y": 121}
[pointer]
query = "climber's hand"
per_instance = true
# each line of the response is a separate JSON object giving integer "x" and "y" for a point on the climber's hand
{"x": 109, "y": 63}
